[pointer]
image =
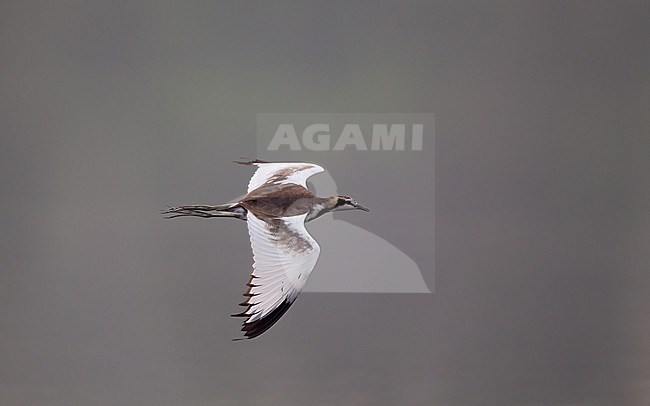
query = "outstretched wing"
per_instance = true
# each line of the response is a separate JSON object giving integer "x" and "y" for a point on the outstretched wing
{"x": 284, "y": 255}
{"x": 281, "y": 173}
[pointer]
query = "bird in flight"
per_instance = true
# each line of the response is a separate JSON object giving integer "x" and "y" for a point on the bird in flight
{"x": 276, "y": 207}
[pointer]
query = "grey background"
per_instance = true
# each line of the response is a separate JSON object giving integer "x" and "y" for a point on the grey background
{"x": 111, "y": 110}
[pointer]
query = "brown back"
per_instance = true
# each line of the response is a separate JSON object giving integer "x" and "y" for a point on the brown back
{"x": 272, "y": 201}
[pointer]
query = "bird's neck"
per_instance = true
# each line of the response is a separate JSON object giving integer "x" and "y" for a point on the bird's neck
{"x": 320, "y": 206}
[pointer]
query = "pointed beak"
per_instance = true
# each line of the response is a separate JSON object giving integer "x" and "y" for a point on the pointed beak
{"x": 360, "y": 207}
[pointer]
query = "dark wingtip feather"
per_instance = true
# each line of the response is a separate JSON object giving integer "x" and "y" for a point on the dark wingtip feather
{"x": 258, "y": 327}
{"x": 242, "y": 314}
{"x": 251, "y": 161}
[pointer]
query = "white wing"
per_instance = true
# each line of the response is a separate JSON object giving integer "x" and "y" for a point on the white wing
{"x": 282, "y": 173}
{"x": 284, "y": 255}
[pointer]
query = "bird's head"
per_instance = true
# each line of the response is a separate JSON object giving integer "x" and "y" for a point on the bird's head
{"x": 347, "y": 203}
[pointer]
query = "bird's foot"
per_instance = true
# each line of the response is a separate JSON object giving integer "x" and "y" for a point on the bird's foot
{"x": 191, "y": 210}
{"x": 200, "y": 211}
